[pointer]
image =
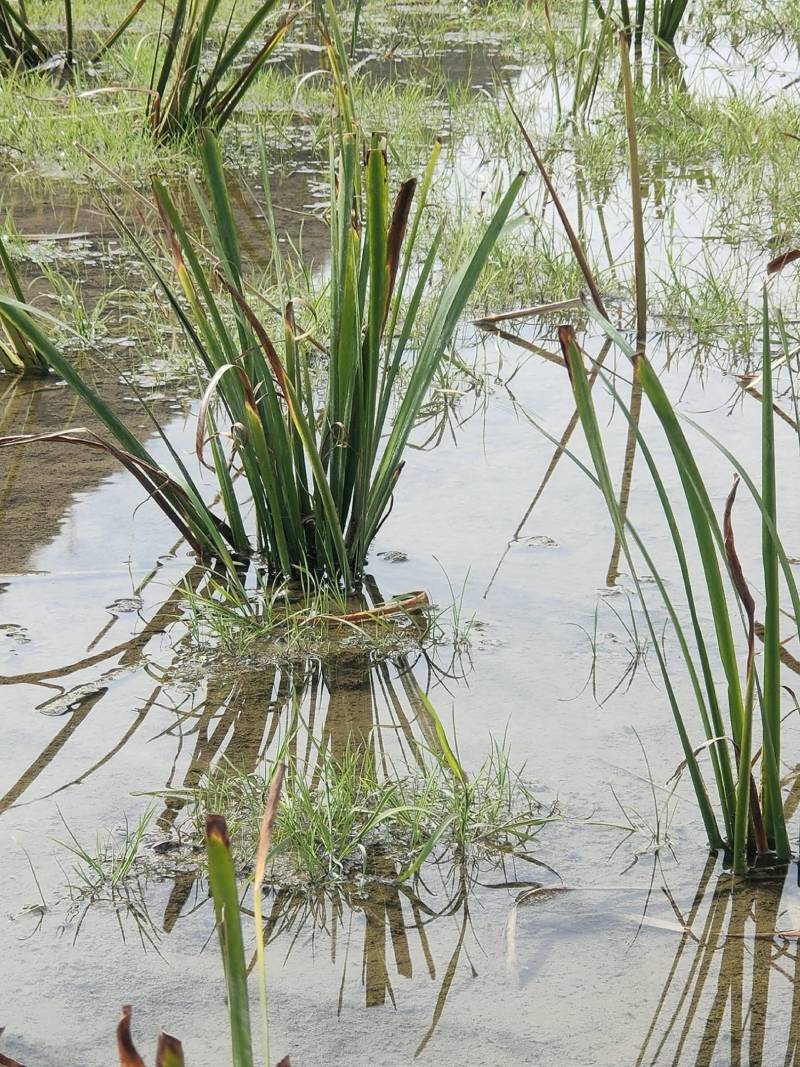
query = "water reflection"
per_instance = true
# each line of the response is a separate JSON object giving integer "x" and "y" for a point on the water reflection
{"x": 732, "y": 992}
{"x": 226, "y": 710}
{"x": 392, "y": 924}
{"x": 79, "y": 700}
{"x": 311, "y": 711}
{"x": 376, "y": 932}
{"x": 563, "y": 444}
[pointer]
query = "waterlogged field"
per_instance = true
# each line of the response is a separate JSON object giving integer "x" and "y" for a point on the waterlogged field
{"x": 491, "y": 843}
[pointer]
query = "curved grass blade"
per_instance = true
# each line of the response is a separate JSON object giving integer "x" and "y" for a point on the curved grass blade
{"x": 128, "y": 1056}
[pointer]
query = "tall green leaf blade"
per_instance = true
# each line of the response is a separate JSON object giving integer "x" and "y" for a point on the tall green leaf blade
{"x": 222, "y": 878}
{"x": 771, "y": 697}
{"x": 449, "y": 309}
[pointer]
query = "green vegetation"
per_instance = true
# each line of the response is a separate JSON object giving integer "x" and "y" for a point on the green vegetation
{"x": 227, "y": 909}
{"x": 19, "y": 42}
{"x": 753, "y": 822}
{"x": 320, "y": 486}
{"x": 313, "y": 377}
{"x": 186, "y": 95}
{"x": 284, "y": 625}
{"x": 320, "y": 337}
{"x": 665, "y": 17}
{"x": 730, "y": 156}
{"x": 18, "y": 355}
{"x": 343, "y": 820}
{"x": 23, "y": 46}
{"x": 754, "y": 828}
{"x": 337, "y": 822}
{"x": 342, "y": 825}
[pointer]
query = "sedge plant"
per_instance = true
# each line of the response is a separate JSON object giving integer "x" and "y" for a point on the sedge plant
{"x": 20, "y": 44}
{"x": 190, "y": 90}
{"x": 23, "y": 47}
{"x": 665, "y": 20}
{"x": 320, "y": 465}
{"x": 747, "y": 819}
{"x": 18, "y": 355}
{"x": 752, "y": 822}
{"x": 322, "y": 469}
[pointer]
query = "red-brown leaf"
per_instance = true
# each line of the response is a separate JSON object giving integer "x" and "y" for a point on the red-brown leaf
{"x": 781, "y": 261}
{"x": 128, "y": 1056}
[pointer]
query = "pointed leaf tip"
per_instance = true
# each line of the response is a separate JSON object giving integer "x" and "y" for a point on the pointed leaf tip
{"x": 169, "y": 1052}
{"x": 6, "y": 1061}
{"x": 569, "y": 346}
{"x": 734, "y": 563}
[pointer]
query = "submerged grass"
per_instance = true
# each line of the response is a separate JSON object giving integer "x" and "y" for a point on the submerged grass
{"x": 344, "y": 820}
{"x": 345, "y": 825}
{"x": 282, "y": 626}
{"x": 330, "y": 826}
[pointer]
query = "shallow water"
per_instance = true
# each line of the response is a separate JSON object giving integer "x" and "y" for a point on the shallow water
{"x": 626, "y": 956}
{"x": 541, "y": 982}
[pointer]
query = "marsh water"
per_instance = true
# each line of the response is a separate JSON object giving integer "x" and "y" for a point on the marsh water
{"x": 628, "y": 945}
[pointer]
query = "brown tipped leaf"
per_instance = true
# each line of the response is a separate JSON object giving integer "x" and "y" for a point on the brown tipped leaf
{"x": 265, "y": 837}
{"x": 217, "y": 830}
{"x": 264, "y": 340}
{"x": 569, "y": 345}
{"x": 737, "y": 574}
{"x": 128, "y": 1056}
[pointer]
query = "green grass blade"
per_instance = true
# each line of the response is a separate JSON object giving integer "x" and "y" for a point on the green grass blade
{"x": 222, "y": 878}
{"x": 708, "y": 704}
{"x": 448, "y": 310}
{"x": 771, "y": 698}
{"x": 640, "y": 272}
